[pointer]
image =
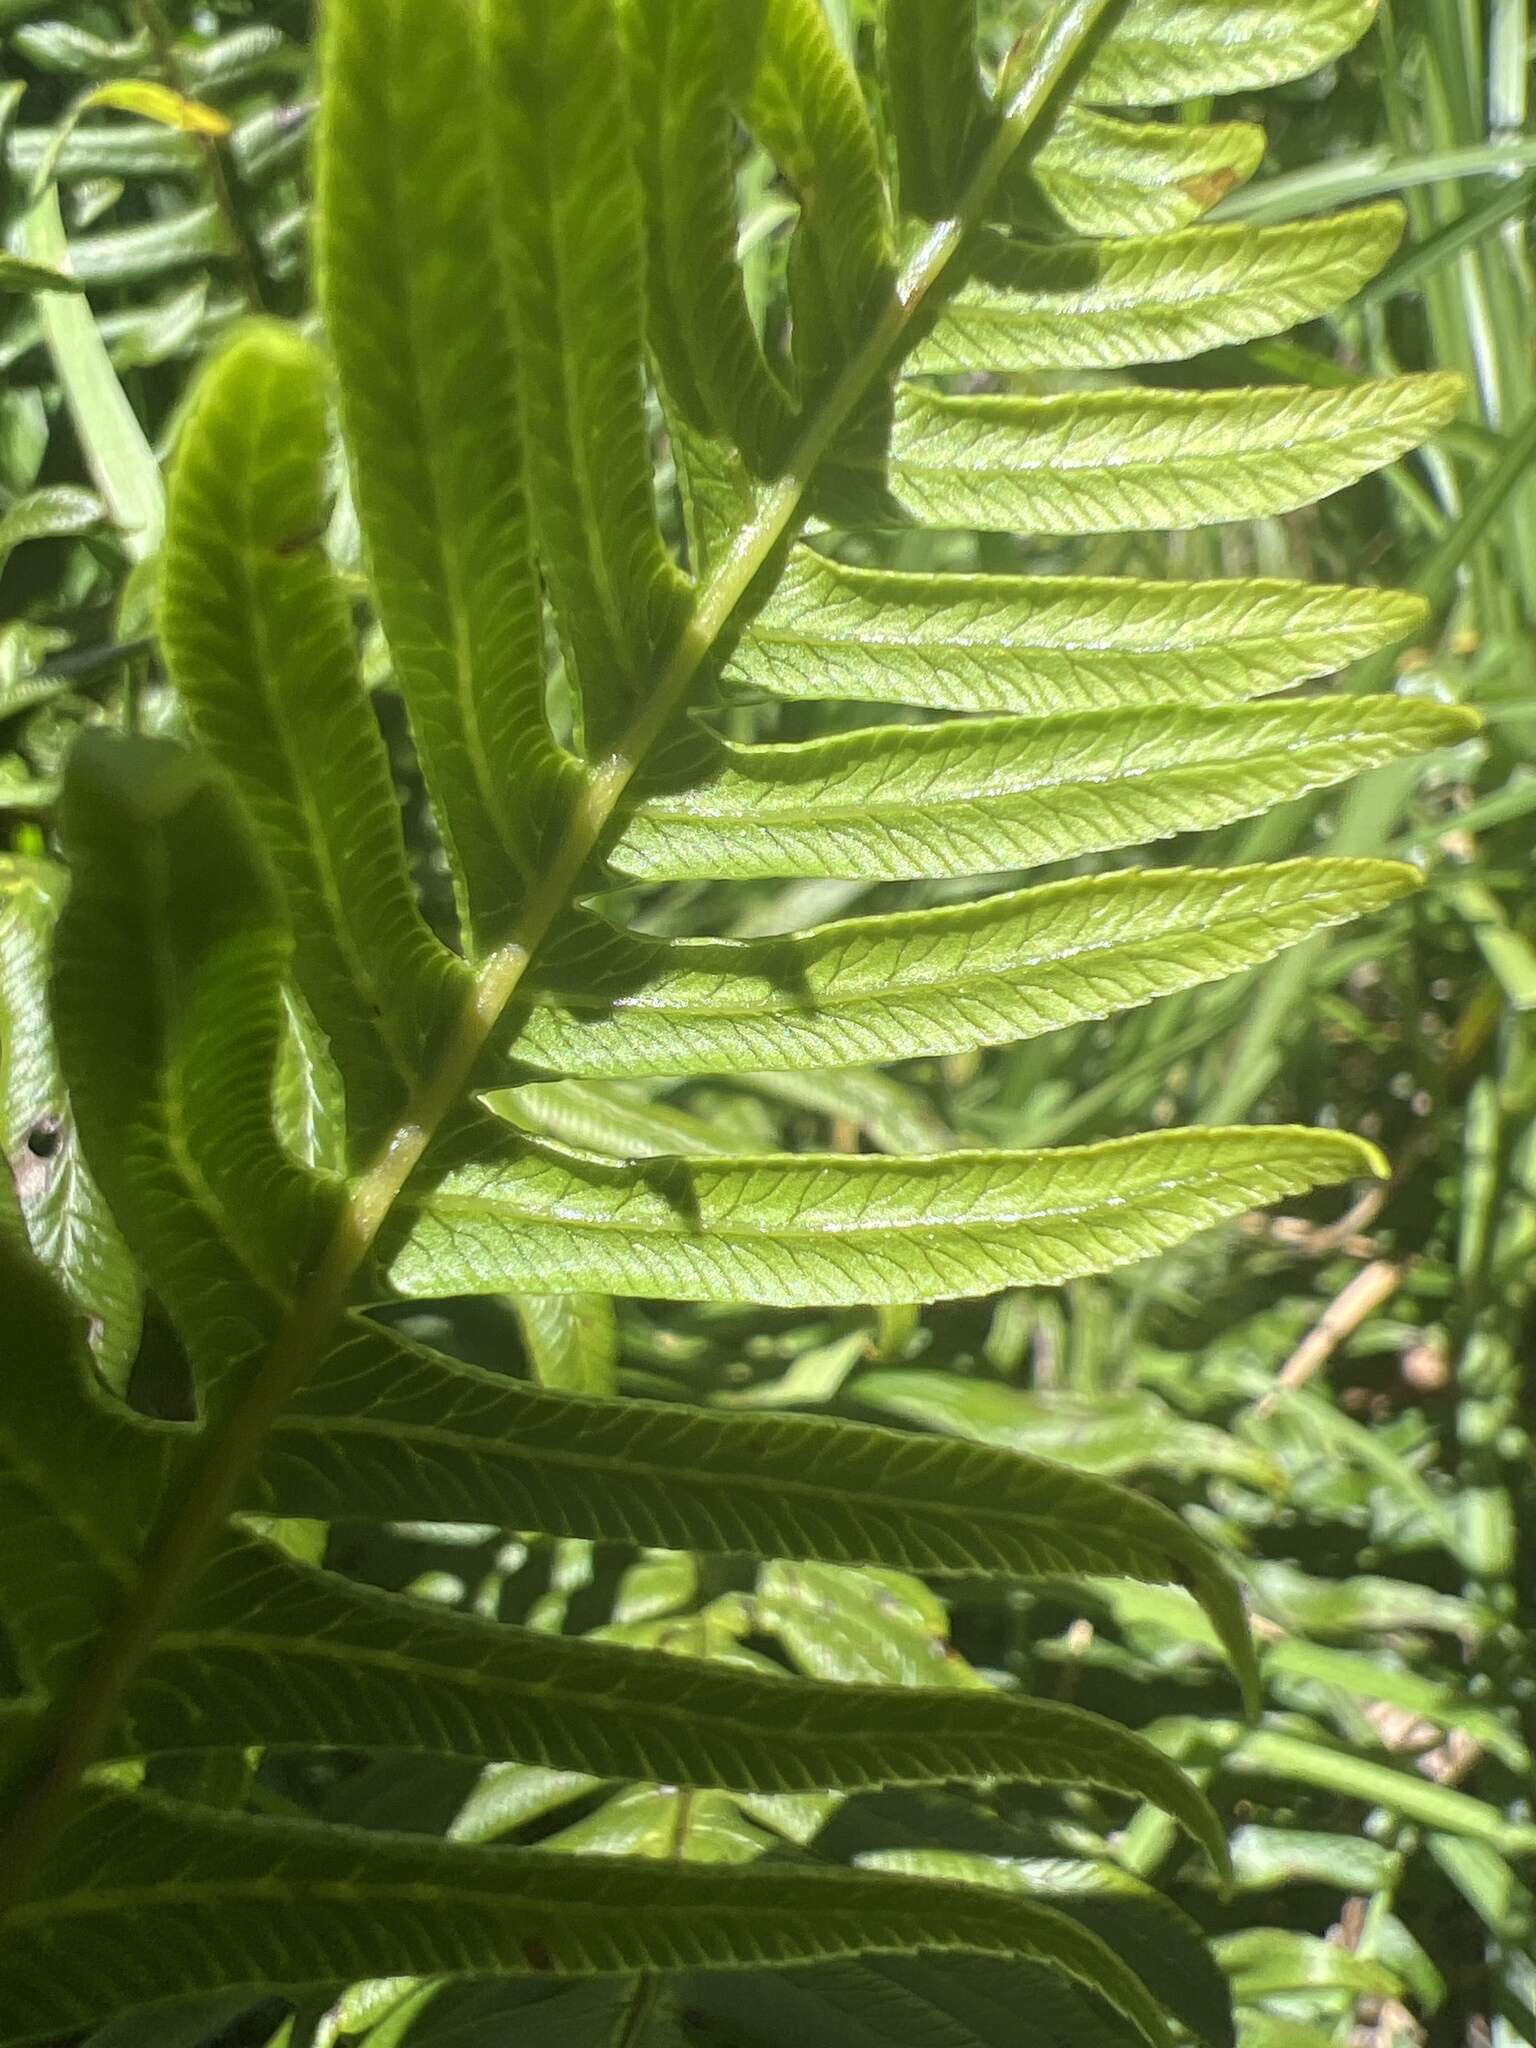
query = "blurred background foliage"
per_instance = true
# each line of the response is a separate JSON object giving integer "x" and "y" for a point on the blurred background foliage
{"x": 1340, "y": 1401}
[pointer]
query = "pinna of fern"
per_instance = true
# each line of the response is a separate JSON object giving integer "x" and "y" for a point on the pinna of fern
{"x": 526, "y": 212}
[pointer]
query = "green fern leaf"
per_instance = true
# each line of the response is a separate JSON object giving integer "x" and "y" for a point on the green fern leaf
{"x": 1053, "y": 644}
{"x": 963, "y": 798}
{"x": 700, "y": 324}
{"x": 500, "y": 1215}
{"x": 570, "y": 239}
{"x": 407, "y": 191}
{"x": 921, "y": 982}
{"x": 1162, "y": 50}
{"x": 1075, "y": 306}
{"x": 308, "y": 1117}
{"x": 1113, "y": 461}
{"x": 272, "y": 1653}
{"x": 386, "y": 1431}
{"x": 1096, "y": 175}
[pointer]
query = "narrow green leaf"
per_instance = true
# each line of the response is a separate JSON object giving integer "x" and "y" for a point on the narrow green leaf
{"x": 1105, "y": 306}
{"x": 572, "y": 1341}
{"x": 258, "y": 637}
{"x": 169, "y": 1901}
{"x": 1141, "y": 460}
{"x": 797, "y": 93}
{"x": 121, "y": 462}
{"x": 1095, "y": 175}
{"x": 172, "y": 909}
{"x": 570, "y": 240}
{"x": 713, "y": 365}
{"x": 925, "y": 982}
{"x": 1115, "y": 1435}
{"x": 159, "y": 103}
{"x": 498, "y": 1214}
{"x": 1162, "y": 50}
{"x": 966, "y": 797}
{"x": 65, "y": 1218}
{"x": 266, "y": 1651}
{"x": 430, "y": 396}
{"x": 388, "y": 1431}
{"x": 1269, "y": 1753}
{"x": 938, "y": 114}
{"x": 1053, "y": 644}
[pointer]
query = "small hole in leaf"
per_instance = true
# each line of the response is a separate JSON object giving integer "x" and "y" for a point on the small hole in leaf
{"x": 44, "y": 1138}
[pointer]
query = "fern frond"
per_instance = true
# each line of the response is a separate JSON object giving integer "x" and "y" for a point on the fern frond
{"x": 307, "y": 1114}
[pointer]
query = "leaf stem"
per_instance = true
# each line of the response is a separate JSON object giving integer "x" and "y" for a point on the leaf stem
{"x": 193, "y": 1521}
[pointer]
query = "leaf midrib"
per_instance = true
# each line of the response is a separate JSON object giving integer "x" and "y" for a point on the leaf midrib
{"x": 234, "y": 1444}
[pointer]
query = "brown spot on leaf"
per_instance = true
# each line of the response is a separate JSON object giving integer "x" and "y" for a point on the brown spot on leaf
{"x": 1210, "y": 186}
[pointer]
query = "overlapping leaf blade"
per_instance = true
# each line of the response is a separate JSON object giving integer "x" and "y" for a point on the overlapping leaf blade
{"x": 385, "y": 1430}
{"x": 570, "y": 243}
{"x": 66, "y": 1552}
{"x": 572, "y": 1341}
{"x": 1097, "y": 175}
{"x": 937, "y": 110}
{"x": 269, "y": 1652}
{"x": 172, "y": 907}
{"x": 431, "y": 399}
{"x": 795, "y": 90}
{"x": 700, "y": 324}
{"x": 258, "y": 637}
